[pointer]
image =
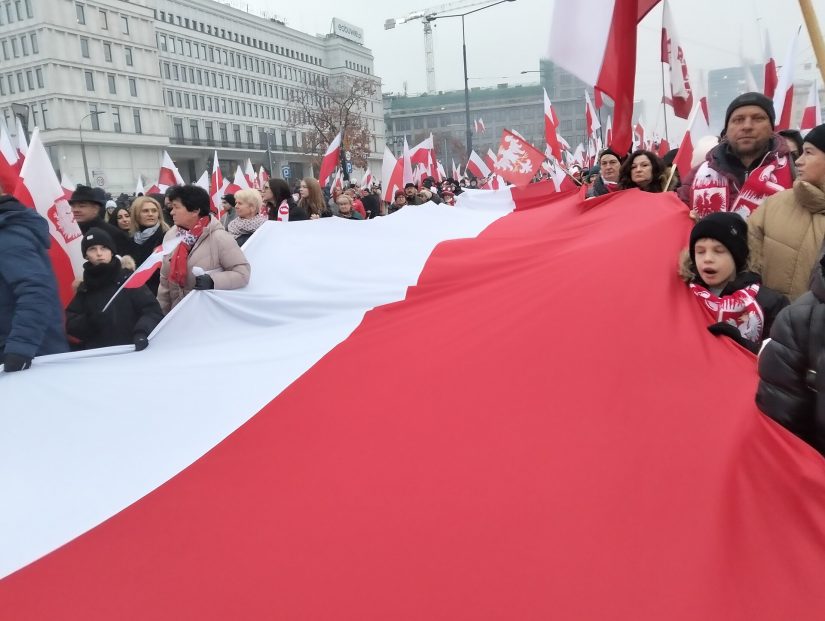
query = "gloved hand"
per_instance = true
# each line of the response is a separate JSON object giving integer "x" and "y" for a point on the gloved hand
{"x": 204, "y": 282}
{"x": 16, "y": 362}
{"x": 732, "y": 332}
{"x": 141, "y": 342}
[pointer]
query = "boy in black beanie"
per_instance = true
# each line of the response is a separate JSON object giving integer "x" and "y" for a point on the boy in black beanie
{"x": 717, "y": 270}
{"x": 131, "y": 316}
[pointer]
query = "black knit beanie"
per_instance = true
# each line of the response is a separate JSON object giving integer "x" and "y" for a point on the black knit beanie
{"x": 752, "y": 99}
{"x": 97, "y": 237}
{"x": 727, "y": 228}
{"x": 817, "y": 137}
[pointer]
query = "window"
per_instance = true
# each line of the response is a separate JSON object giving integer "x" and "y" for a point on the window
{"x": 90, "y": 81}
{"x": 249, "y": 136}
{"x": 14, "y": 50}
{"x": 104, "y": 20}
{"x": 5, "y": 47}
{"x": 43, "y": 117}
{"x": 133, "y": 87}
{"x": 10, "y": 79}
{"x": 116, "y": 119}
{"x": 95, "y": 117}
{"x": 136, "y": 118}
{"x": 162, "y": 43}
{"x": 170, "y": 98}
{"x": 194, "y": 130}
{"x": 236, "y": 131}
{"x": 112, "y": 84}
{"x": 84, "y": 47}
{"x": 187, "y": 101}
{"x": 35, "y": 48}
{"x": 30, "y": 79}
{"x": 210, "y": 132}
{"x": 24, "y": 45}
{"x": 81, "y": 13}
{"x": 223, "y": 133}
{"x": 29, "y": 11}
{"x": 178, "y": 99}
{"x": 38, "y": 74}
{"x": 124, "y": 28}
{"x": 128, "y": 52}
{"x": 166, "y": 73}
{"x": 178, "y": 125}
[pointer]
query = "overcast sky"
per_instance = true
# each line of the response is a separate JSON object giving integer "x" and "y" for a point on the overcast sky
{"x": 506, "y": 39}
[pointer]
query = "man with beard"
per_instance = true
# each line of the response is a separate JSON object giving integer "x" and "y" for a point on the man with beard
{"x": 751, "y": 162}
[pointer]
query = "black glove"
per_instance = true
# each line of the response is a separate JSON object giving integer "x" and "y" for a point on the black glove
{"x": 732, "y": 332}
{"x": 16, "y": 362}
{"x": 141, "y": 342}
{"x": 204, "y": 281}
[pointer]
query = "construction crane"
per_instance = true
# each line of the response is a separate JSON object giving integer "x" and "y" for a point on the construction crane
{"x": 427, "y": 16}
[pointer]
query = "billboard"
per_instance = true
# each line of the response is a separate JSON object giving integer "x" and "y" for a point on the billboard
{"x": 348, "y": 31}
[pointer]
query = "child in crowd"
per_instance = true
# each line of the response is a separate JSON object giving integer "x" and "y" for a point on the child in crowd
{"x": 131, "y": 316}
{"x": 741, "y": 308}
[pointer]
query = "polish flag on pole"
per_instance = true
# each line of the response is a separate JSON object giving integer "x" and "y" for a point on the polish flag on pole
{"x": 608, "y": 61}
{"x": 551, "y": 125}
{"x": 406, "y": 165}
{"x": 39, "y": 188}
{"x": 146, "y": 269}
{"x": 674, "y": 56}
{"x": 330, "y": 161}
{"x": 783, "y": 97}
{"x": 249, "y": 173}
{"x": 812, "y": 114}
{"x": 139, "y": 189}
{"x": 639, "y": 135}
{"x": 456, "y": 171}
{"x": 169, "y": 174}
{"x": 203, "y": 181}
{"x": 216, "y": 185}
{"x": 366, "y": 180}
{"x": 608, "y": 130}
{"x": 590, "y": 116}
{"x": 598, "y": 100}
{"x": 238, "y": 183}
{"x": 697, "y": 129}
{"x": 22, "y": 147}
{"x": 476, "y": 166}
{"x": 490, "y": 159}
{"x": 771, "y": 79}
{"x": 10, "y": 162}
{"x": 518, "y": 160}
{"x": 392, "y": 177}
{"x": 263, "y": 177}
{"x": 442, "y": 174}
{"x": 481, "y": 127}
{"x": 422, "y": 152}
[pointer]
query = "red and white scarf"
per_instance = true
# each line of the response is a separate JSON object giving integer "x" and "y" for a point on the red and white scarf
{"x": 739, "y": 309}
{"x": 178, "y": 263}
{"x": 711, "y": 190}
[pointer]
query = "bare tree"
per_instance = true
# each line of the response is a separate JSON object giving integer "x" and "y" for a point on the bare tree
{"x": 330, "y": 105}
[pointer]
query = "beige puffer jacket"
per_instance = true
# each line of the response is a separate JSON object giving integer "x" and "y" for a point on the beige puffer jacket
{"x": 785, "y": 235}
{"x": 215, "y": 250}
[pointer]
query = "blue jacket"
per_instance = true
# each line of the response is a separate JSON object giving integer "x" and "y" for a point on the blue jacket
{"x": 31, "y": 318}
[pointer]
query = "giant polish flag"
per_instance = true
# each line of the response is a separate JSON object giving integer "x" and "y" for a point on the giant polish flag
{"x": 608, "y": 61}
{"x": 39, "y": 188}
{"x": 515, "y": 463}
{"x": 330, "y": 160}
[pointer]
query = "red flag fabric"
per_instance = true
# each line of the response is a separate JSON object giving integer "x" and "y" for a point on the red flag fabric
{"x": 331, "y": 159}
{"x": 551, "y": 125}
{"x": 783, "y": 97}
{"x": 169, "y": 174}
{"x": 392, "y": 175}
{"x": 664, "y": 147}
{"x": 598, "y": 100}
{"x": 812, "y": 114}
{"x": 502, "y": 489}
{"x": 771, "y": 77}
{"x": 609, "y": 27}
{"x": 517, "y": 160}
{"x": 477, "y": 166}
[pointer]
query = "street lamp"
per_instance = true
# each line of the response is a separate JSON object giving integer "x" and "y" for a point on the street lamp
{"x": 431, "y": 18}
{"x": 83, "y": 145}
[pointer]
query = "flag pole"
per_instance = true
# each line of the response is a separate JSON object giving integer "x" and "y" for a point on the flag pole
{"x": 664, "y": 105}
{"x": 814, "y": 33}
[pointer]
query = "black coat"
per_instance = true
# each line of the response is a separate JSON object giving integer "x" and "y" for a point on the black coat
{"x": 140, "y": 252}
{"x": 133, "y": 313}
{"x": 792, "y": 367}
{"x": 122, "y": 242}
{"x": 31, "y": 317}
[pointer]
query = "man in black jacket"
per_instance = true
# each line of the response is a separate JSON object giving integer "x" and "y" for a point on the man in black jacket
{"x": 88, "y": 205}
{"x": 31, "y": 320}
{"x": 792, "y": 366}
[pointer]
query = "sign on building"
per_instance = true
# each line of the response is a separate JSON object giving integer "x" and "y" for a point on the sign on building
{"x": 286, "y": 173}
{"x": 348, "y": 31}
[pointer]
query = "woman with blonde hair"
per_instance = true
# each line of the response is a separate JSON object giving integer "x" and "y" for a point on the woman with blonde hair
{"x": 248, "y": 215}
{"x": 147, "y": 231}
{"x": 312, "y": 199}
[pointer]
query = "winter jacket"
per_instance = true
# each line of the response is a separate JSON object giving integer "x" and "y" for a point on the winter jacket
{"x": 597, "y": 189}
{"x": 31, "y": 317}
{"x": 721, "y": 159}
{"x": 216, "y": 250}
{"x": 141, "y": 252}
{"x": 792, "y": 367}
{"x": 785, "y": 235}
{"x": 133, "y": 312}
{"x": 121, "y": 239}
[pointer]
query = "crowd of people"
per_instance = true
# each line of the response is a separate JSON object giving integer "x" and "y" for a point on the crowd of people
{"x": 754, "y": 260}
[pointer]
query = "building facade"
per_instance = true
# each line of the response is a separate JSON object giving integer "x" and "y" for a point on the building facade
{"x": 131, "y": 79}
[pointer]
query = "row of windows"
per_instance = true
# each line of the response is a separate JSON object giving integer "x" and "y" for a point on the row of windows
{"x": 102, "y": 18}
{"x": 39, "y": 110}
{"x": 22, "y": 81}
{"x": 85, "y": 51}
{"x": 15, "y": 47}
{"x": 110, "y": 116}
{"x": 15, "y": 11}
{"x": 111, "y": 80}
{"x": 222, "y": 105}
{"x": 232, "y": 59}
{"x": 237, "y": 38}
{"x": 266, "y": 137}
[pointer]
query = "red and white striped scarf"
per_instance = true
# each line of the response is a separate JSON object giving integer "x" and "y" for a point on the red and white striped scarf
{"x": 739, "y": 309}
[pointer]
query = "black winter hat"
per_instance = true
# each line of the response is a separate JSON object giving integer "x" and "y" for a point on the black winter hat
{"x": 752, "y": 99}
{"x": 609, "y": 151}
{"x": 85, "y": 194}
{"x": 817, "y": 137}
{"x": 229, "y": 198}
{"x": 727, "y": 228}
{"x": 97, "y": 237}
